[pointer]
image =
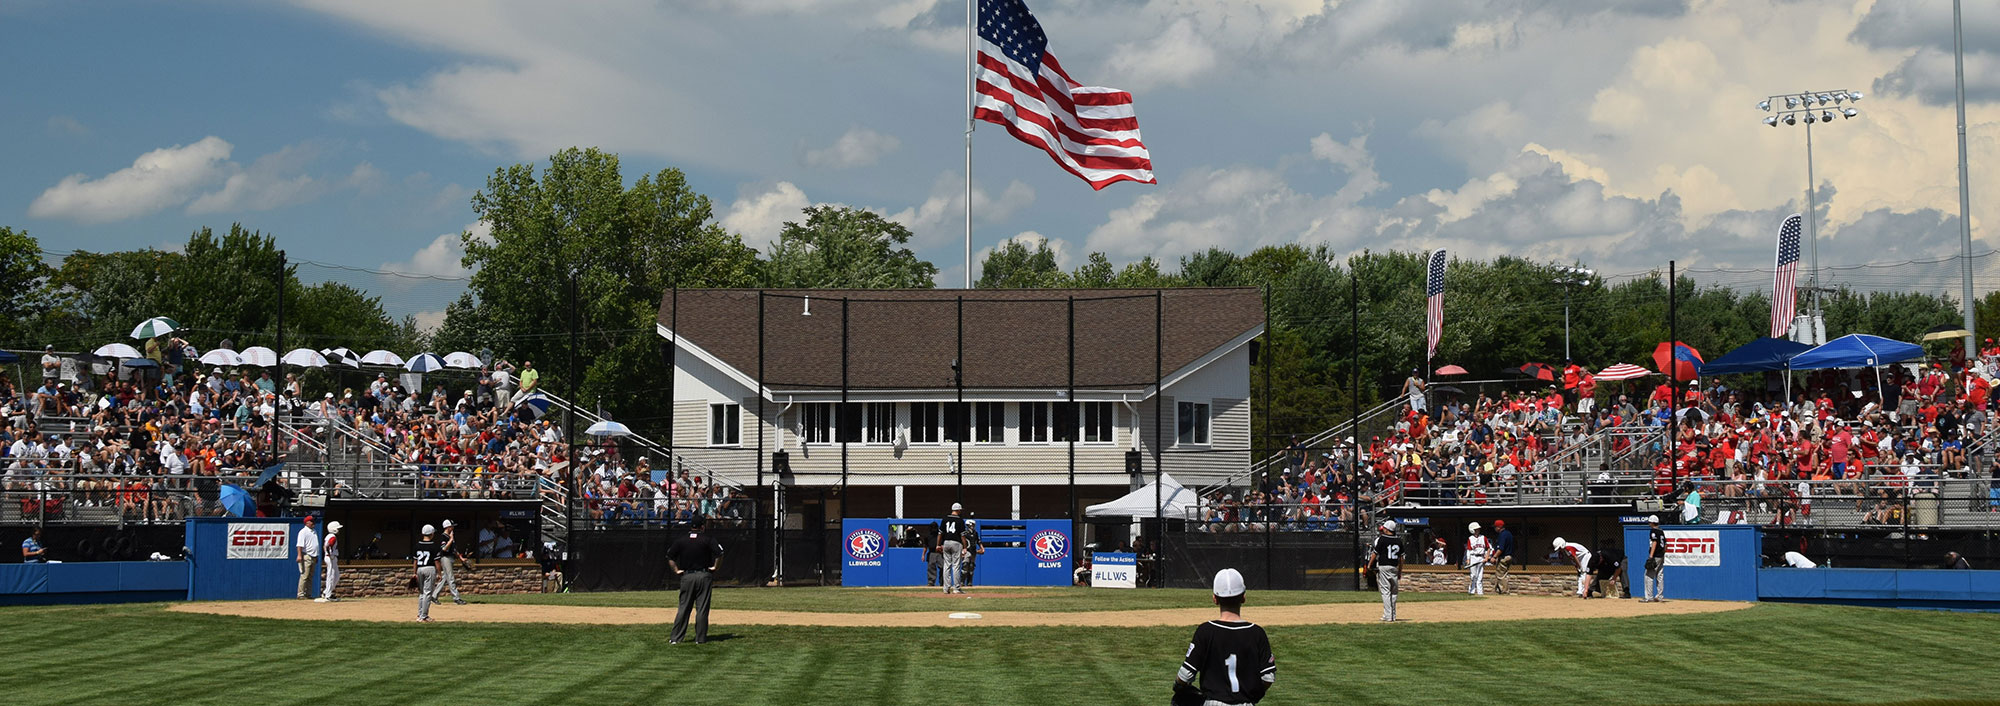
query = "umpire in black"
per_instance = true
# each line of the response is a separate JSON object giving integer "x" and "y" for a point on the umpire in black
{"x": 694, "y": 558}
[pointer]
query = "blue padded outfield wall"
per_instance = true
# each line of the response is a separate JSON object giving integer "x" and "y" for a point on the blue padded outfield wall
{"x": 243, "y": 558}
{"x": 1889, "y": 588}
{"x": 1704, "y": 562}
{"x": 1042, "y": 558}
{"x": 93, "y": 582}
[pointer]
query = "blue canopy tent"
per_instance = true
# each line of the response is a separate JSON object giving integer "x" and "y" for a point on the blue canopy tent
{"x": 1761, "y": 355}
{"x": 1856, "y": 350}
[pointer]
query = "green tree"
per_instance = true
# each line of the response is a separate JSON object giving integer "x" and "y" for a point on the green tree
{"x": 1213, "y": 267}
{"x": 1014, "y": 265}
{"x": 841, "y": 247}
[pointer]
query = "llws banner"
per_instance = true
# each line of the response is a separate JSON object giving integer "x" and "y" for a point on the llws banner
{"x": 257, "y": 541}
{"x": 1693, "y": 548}
{"x": 1114, "y": 570}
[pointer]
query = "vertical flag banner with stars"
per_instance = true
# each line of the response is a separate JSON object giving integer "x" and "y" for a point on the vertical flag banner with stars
{"x": 1092, "y": 132}
{"x": 1784, "y": 286}
{"x": 1434, "y": 293}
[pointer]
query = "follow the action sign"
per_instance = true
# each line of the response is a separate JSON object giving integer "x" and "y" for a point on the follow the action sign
{"x": 1114, "y": 570}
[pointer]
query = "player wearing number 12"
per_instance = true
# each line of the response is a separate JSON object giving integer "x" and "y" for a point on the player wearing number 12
{"x": 1231, "y": 656}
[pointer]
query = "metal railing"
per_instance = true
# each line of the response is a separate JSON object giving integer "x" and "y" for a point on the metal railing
{"x": 1319, "y": 440}
{"x": 676, "y": 461}
{"x": 412, "y": 482}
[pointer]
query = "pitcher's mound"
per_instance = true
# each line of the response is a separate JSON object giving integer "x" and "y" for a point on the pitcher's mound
{"x": 1487, "y": 608}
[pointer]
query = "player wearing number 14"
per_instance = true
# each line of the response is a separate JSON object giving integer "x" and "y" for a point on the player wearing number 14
{"x": 1231, "y": 656}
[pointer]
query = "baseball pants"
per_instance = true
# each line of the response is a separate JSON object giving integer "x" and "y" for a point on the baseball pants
{"x": 1388, "y": 579}
{"x": 427, "y": 577}
{"x": 329, "y": 577}
{"x": 306, "y": 563}
{"x": 445, "y": 579}
{"x": 1656, "y": 583}
{"x": 695, "y": 594}
{"x": 953, "y": 554}
{"x": 1583, "y": 583}
{"x": 1477, "y": 586}
{"x": 1500, "y": 574}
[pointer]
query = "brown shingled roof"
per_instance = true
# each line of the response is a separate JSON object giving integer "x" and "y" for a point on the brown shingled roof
{"x": 906, "y": 338}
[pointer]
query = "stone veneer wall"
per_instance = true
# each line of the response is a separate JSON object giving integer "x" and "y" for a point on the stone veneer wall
{"x": 493, "y": 576}
{"x": 1530, "y": 580}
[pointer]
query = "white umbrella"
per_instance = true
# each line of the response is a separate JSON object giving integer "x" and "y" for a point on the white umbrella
{"x": 305, "y": 358}
{"x": 259, "y": 356}
{"x": 382, "y": 358}
{"x": 222, "y": 356}
{"x": 156, "y": 326}
{"x": 462, "y": 359}
{"x": 341, "y": 356}
{"x": 608, "y": 428}
{"x": 117, "y": 350}
{"x": 424, "y": 363}
{"x": 1623, "y": 371}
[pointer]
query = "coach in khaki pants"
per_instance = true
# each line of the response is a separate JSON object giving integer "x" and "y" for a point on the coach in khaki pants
{"x": 307, "y": 545}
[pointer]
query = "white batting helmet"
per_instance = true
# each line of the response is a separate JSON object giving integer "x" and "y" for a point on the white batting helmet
{"x": 428, "y": 530}
{"x": 1474, "y": 527}
{"x": 333, "y": 527}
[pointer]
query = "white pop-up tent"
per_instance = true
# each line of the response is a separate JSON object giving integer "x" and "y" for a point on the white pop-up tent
{"x": 1175, "y": 501}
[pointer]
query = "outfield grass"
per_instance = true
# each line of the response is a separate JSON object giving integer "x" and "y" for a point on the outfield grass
{"x": 1770, "y": 652}
{"x": 1053, "y": 599}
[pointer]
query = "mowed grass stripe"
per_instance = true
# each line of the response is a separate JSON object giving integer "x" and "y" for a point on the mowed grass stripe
{"x": 1054, "y": 599}
{"x": 1772, "y": 652}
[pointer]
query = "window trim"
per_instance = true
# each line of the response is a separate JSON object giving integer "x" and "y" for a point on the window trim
{"x": 935, "y": 427}
{"x": 1043, "y": 426}
{"x": 737, "y": 417}
{"x": 1110, "y": 424}
{"x": 1207, "y": 422}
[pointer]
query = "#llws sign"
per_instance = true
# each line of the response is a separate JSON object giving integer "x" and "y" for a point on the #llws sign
{"x": 1109, "y": 570}
{"x": 257, "y": 541}
{"x": 1693, "y": 548}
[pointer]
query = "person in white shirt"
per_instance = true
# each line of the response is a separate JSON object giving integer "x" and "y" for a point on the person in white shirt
{"x": 308, "y": 548}
{"x": 330, "y": 557}
{"x": 1799, "y": 561}
{"x": 1476, "y": 548}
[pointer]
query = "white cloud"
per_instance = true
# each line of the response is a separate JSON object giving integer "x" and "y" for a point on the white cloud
{"x": 429, "y": 320}
{"x": 860, "y": 147}
{"x": 940, "y": 219}
{"x": 275, "y": 180}
{"x": 66, "y": 126}
{"x": 759, "y": 217}
{"x": 1177, "y": 55}
{"x": 157, "y": 180}
{"x": 443, "y": 256}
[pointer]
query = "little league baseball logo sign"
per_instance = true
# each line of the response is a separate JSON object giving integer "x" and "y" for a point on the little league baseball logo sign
{"x": 1050, "y": 547}
{"x": 257, "y": 541}
{"x": 864, "y": 547}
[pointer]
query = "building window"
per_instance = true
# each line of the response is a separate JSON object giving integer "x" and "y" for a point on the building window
{"x": 816, "y": 422}
{"x": 925, "y": 421}
{"x": 1191, "y": 422}
{"x": 1034, "y": 422}
{"x": 990, "y": 424}
{"x": 957, "y": 421}
{"x": 1097, "y": 422}
{"x": 881, "y": 423}
{"x": 725, "y": 424}
{"x": 1064, "y": 426}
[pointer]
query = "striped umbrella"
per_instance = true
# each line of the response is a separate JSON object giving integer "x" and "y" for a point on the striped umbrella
{"x": 154, "y": 327}
{"x": 1623, "y": 371}
{"x": 424, "y": 363}
{"x": 341, "y": 356}
{"x": 260, "y": 356}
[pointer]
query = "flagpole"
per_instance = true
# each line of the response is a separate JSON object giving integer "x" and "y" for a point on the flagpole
{"x": 970, "y": 5}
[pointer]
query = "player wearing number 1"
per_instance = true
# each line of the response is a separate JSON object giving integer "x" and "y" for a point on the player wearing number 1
{"x": 1231, "y": 656}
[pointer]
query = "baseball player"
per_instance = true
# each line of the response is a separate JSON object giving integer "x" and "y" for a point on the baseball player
{"x": 427, "y": 572}
{"x": 448, "y": 548}
{"x": 1579, "y": 556}
{"x": 973, "y": 548}
{"x": 1476, "y": 551}
{"x": 950, "y": 543}
{"x": 1386, "y": 558}
{"x": 307, "y": 544}
{"x": 329, "y": 574}
{"x": 1656, "y": 562}
{"x": 1230, "y": 655}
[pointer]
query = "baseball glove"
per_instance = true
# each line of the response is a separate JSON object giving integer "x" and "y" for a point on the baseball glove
{"x": 1186, "y": 694}
{"x": 412, "y": 583}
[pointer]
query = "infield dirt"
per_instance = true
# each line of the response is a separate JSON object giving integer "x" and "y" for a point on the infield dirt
{"x": 1481, "y": 609}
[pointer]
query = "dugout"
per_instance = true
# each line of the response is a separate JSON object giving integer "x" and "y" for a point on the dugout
{"x": 1535, "y": 527}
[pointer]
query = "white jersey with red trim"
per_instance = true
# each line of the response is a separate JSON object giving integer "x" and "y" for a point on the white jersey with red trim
{"x": 1476, "y": 550}
{"x": 1576, "y": 554}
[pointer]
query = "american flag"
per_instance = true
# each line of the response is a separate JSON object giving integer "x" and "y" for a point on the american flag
{"x": 1092, "y": 132}
{"x": 1784, "y": 289}
{"x": 1434, "y": 291}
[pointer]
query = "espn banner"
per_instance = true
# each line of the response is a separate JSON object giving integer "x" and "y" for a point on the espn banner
{"x": 1693, "y": 548}
{"x": 258, "y": 541}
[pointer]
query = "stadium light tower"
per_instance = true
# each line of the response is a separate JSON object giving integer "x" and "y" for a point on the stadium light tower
{"x": 1570, "y": 277}
{"x": 1810, "y": 107}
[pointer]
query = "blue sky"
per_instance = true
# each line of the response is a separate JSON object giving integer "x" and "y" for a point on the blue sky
{"x": 1620, "y": 134}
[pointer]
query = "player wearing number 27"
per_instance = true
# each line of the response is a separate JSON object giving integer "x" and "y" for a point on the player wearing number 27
{"x": 1231, "y": 656}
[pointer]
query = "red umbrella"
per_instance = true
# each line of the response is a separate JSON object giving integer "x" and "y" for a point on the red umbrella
{"x": 1686, "y": 361}
{"x": 1539, "y": 371}
{"x": 1450, "y": 370}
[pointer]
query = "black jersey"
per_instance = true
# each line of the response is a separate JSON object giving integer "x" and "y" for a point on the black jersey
{"x": 695, "y": 552}
{"x": 1656, "y": 544}
{"x": 1388, "y": 551}
{"x": 427, "y": 552}
{"x": 1233, "y": 660}
{"x": 951, "y": 529}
